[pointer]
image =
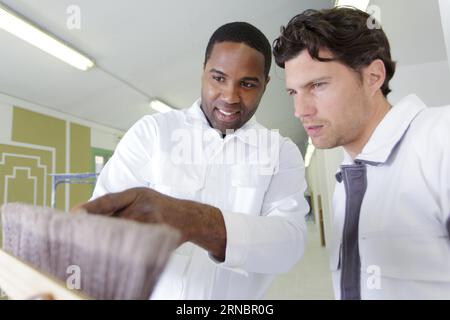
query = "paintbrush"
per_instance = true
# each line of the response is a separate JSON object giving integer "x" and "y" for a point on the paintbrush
{"x": 102, "y": 257}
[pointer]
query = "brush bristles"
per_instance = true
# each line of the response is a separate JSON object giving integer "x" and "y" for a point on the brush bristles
{"x": 114, "y": 258}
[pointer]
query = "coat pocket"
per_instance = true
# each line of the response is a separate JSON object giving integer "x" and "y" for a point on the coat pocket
{"x": 182, "y": 181}
{"x": 248, "y": 189}
{"x": 415, "y": 256}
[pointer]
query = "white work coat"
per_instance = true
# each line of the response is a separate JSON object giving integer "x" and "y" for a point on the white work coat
{"x": 262, "y": 202}
{"x": 404, "y": 223}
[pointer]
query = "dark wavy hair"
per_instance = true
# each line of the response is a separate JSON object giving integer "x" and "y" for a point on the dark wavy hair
{"x": 242, "y": 32}
{"x": 342, "y": 30}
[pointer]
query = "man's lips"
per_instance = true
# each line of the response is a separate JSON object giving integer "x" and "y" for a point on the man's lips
{"x": 226, "y": 114}
{"x": 313, "y": 130}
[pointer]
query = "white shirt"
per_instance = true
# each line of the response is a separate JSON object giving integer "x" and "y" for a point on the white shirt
{"x": 263, "y": 204}
{"x": 404, "y": 242}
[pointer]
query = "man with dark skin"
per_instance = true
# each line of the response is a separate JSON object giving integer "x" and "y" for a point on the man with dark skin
{"x": 238, "y": 227}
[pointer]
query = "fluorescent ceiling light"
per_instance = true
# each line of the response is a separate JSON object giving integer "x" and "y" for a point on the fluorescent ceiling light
{"x": 359, "y": 4}
{"x": 31, "y": 34}
{"x": 160, "y": 106}
{"x": 309, "y": 152}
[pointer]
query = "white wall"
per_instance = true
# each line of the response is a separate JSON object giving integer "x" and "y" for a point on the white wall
{"x": 430, "y": 81}
{"x": 6, "y": 112}
{"x": 444, "y": 8}
{"x": 103, "y": 139}
{"x": 321, "y": 180}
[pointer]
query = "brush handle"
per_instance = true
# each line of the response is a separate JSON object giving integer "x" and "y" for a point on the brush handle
{"x": 21, "y": 281}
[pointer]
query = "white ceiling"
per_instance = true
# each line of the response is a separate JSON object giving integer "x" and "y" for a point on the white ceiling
{"x": 156, "y": 48}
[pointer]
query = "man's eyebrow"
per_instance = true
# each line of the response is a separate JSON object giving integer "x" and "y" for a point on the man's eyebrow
{"x": 254, "y": 79}
{"x": 217, "y": 71}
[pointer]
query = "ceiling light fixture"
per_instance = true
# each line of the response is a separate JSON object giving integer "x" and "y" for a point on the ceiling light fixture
{"x": 19, "y": 27}
{"x": 160, "y": 106}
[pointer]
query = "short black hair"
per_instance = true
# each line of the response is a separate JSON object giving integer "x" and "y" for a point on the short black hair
{"x": 242, "y": 32}
{"x": 342, "y": 30}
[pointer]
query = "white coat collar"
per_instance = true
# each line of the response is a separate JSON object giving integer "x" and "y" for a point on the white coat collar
{"x": 389, "y": 131}
{"x": 195, "y": 117}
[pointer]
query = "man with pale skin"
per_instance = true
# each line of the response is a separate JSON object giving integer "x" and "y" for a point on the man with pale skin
{"x": 348, "y": 124}
{"x": 240, "y": 224}
{"x": 391, "y": 205}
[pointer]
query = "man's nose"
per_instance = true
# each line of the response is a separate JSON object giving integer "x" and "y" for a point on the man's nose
{"x": 230, "y": 94}
{"x": 304, "y": 107}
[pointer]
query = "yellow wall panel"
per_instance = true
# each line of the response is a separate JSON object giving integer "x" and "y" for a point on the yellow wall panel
{"x": 22, "y": 186}
{"x": 38, "y": 129}
{"x": 19, "y": 166}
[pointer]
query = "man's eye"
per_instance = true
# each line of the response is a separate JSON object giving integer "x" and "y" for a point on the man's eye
{"x": 318, "y": 85}
{"x": 247, "y": 84}
{"x": 291, "y": 92}
{"x": 219, "y": 78}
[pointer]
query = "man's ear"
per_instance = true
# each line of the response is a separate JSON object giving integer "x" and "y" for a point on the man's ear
{"x": 267, "y": 81}
{"x": 375, "y": 74}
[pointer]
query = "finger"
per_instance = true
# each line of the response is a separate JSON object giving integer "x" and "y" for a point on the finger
{"x": 78, "y": 208}
{"x": 42, "y": 296}
{"x": 110, "y": 203}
